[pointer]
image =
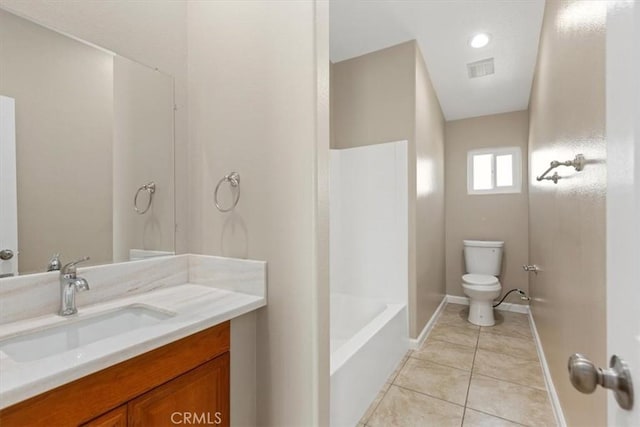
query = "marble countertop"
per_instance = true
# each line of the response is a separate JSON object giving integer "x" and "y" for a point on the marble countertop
{"x": 194, "y": 307}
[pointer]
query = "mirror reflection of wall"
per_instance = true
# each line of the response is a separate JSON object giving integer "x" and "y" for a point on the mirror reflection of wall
{"x": 91, "y": 128}
{"x": 142, "y": 152}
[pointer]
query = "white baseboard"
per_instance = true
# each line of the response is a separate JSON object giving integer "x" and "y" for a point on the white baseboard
{"x": 505, "y": 306}
{"x": 553, "y": 395}
{"x": 416, "y": 343}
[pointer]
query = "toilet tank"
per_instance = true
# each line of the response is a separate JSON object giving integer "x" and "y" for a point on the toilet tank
{"x": 483, "y": 257}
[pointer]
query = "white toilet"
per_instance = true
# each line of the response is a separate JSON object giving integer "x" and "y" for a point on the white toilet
{"x": 483, "y": 260}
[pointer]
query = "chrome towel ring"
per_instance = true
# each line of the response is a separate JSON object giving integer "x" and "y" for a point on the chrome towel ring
{"x": 232, "y": 178}
{"x": 150, "y": 188}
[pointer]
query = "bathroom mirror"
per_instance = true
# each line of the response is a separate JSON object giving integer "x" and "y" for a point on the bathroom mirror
{"x": 83, "y": 133}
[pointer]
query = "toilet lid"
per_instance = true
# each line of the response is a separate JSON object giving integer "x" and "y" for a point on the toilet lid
{"x": 480, "y": 279}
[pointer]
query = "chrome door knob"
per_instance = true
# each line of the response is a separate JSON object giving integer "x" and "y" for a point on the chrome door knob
{"x": 586, "y": 377}
{"x": 583, "y": 374}
{"x": 6, "y": 254}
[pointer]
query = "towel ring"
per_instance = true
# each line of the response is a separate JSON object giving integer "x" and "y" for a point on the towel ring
{"x": 234, "y": 179}
{"x": 150, "y": 188}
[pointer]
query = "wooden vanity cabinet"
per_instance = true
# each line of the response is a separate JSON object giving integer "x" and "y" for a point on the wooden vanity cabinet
{"x": 185, "y": 382}
{"x": 114, "y": 418}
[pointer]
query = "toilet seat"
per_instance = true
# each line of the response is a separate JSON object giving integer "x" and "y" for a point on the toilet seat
{"x": 480, "y": 280}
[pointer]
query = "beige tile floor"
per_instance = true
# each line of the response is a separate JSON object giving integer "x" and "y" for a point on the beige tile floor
{"x": 469, "y": 376}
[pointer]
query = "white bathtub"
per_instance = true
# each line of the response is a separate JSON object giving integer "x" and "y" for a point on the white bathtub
{"x": 368, "y": 339}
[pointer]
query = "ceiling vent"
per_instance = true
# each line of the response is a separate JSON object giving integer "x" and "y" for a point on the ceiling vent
{"x": 480, "y": 68}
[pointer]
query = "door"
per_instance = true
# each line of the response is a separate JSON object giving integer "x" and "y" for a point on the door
{"x": 623, "y": 198}
{"x": 114, "y": 418}
{"x": 199, "y": 397}
{"x": 8, "y": 191}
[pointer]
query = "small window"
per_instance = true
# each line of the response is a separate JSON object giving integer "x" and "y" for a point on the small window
{"x": 494, "y": 171}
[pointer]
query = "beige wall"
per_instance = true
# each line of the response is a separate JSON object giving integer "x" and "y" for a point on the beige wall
{"x": 117, "y": 25}
{"x": 387, "y": 96}
{"x": 489, "y": 216}
{"x": 64, "y": 116}
{"x": 258, "y": 104}
{"x": 430, "y": 199}
{"x": 567, "y": 220}
{"x": 373, "y": 97}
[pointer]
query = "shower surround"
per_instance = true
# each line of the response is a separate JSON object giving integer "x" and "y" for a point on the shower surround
{"x": 368, "y": 273}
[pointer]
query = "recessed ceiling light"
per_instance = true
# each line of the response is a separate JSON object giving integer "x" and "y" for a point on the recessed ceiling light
{"x": 479, "y": 40}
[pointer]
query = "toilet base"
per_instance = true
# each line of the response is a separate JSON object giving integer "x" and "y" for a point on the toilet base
{"x": 481, "y": 313}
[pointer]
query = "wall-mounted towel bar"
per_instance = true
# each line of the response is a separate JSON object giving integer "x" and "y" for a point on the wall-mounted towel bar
{"x": 577, "y": 163}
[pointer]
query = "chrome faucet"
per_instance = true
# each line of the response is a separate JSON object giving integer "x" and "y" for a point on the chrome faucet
{"x": 69, "y": 284}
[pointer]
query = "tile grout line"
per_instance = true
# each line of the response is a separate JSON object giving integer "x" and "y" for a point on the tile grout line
{"x": 455, "y": 326}
{"x": 508, "y": 382}
{"x": 401, "y": 365}
{"x": 446, "y": 342}
{"x": 487, "y": 331}
{"x": 441, "y": 364}
{"x": 476, "y": 348}
{"x": 497, "y": 416}
{"x": 512, "y": 355}
{"x": 373, "y": 411}
{"x": 505, "y": 381}
{"x": 454, "y": 343}
{"x": 466, "y": 399}
{"x": 536, "y": 360}
{"x": 477, "y": 331}
{"x": 428, "y": 395}
{"x": 521, "y": 338}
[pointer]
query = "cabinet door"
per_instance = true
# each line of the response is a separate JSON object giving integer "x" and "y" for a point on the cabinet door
{"x": 114, "y": 418}
{"x": 199, "y": 397}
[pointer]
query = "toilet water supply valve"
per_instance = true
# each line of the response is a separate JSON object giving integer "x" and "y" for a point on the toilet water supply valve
{"x": 523, "y": 296}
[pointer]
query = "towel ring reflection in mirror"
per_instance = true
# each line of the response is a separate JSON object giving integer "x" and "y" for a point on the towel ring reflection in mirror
{"x": 150, "y": 188}
{"x": 233, "y": 179}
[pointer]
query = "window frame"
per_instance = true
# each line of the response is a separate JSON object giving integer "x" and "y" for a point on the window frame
{"x": 516, "y": 152}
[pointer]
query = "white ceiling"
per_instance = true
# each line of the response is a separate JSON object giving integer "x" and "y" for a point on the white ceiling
{"x": 442, "y": 29}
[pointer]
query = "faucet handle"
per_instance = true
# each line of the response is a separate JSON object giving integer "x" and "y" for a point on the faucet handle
{"x": 70, "y": 268}
{"x": 54, "y": 263}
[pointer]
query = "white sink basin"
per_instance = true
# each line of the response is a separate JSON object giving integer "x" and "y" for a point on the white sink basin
{"x": 78, "y": 332}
